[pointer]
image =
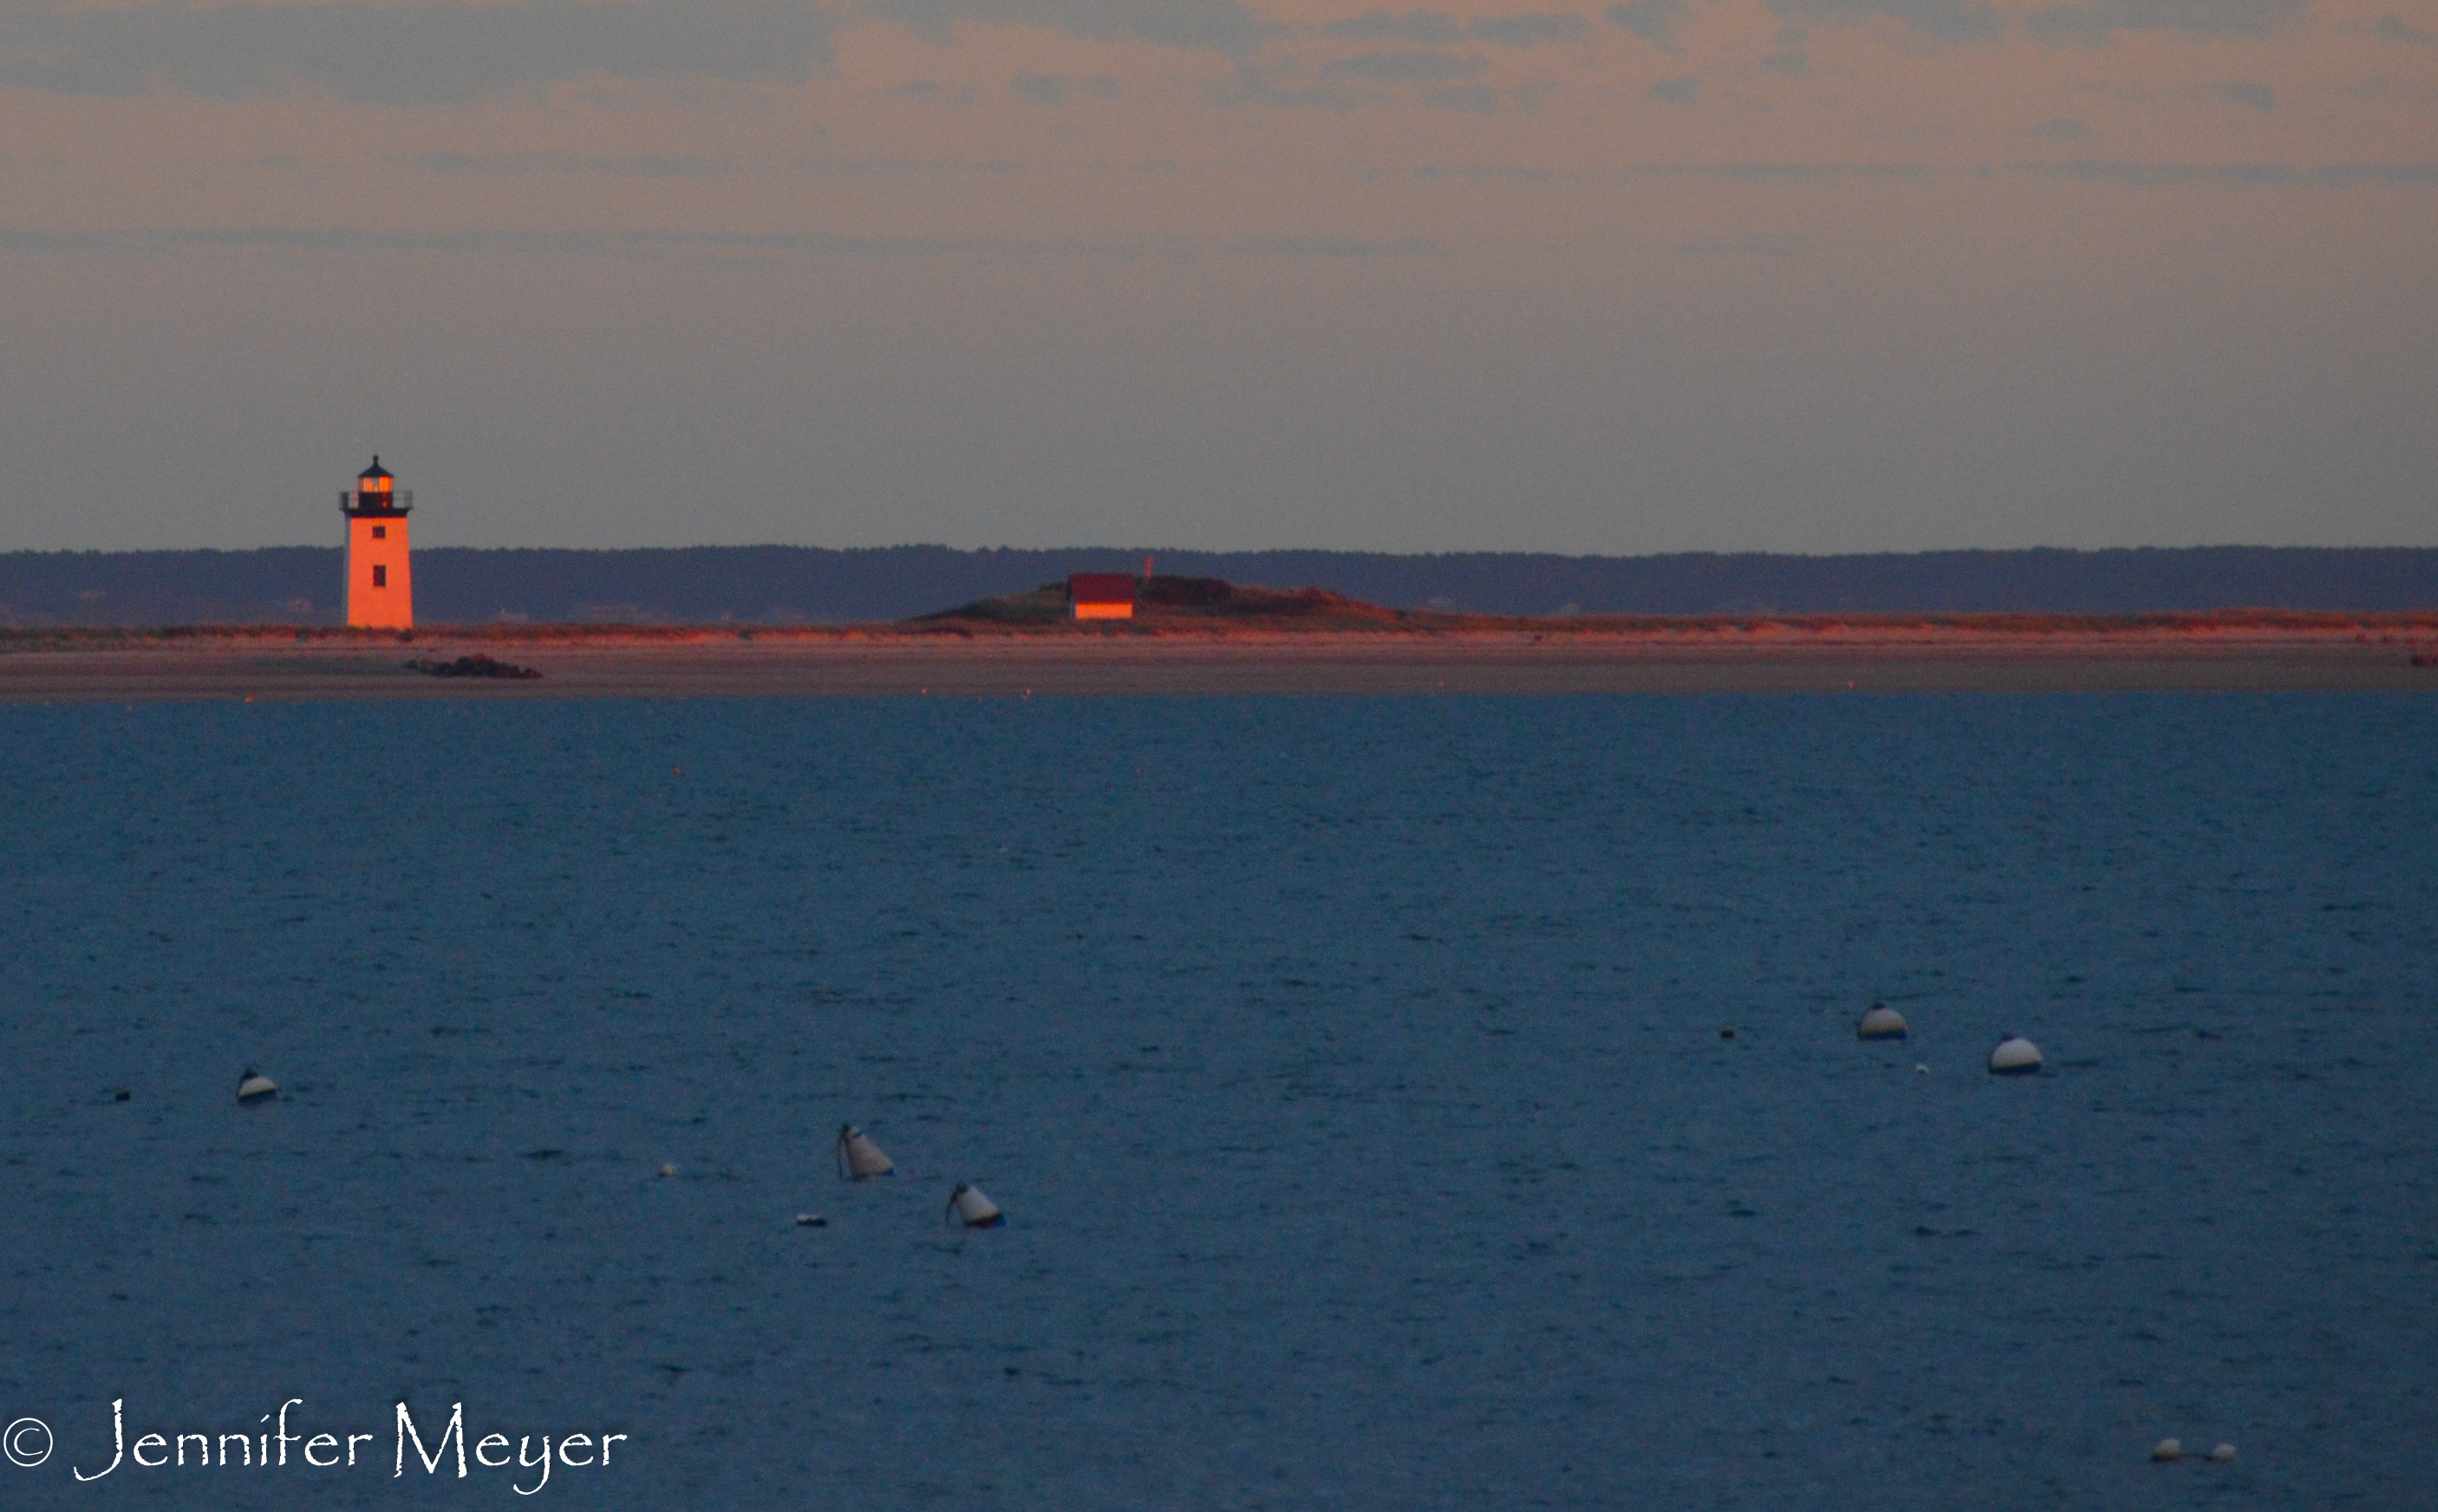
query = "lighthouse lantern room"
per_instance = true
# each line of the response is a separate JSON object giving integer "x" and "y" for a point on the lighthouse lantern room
{"x": 381, "y": 588}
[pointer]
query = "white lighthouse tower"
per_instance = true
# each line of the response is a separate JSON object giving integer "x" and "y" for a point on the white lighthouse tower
{"x": 380, "y": 584}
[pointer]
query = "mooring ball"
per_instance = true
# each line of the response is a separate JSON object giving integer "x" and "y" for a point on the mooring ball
{"x": 2014, "y": 1056}
{"x": 1880, "y": 1022}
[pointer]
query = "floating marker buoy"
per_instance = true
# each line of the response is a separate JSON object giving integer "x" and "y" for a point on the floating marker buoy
{"x": 1727, "y": 1034}
{"x": 2014, "y": 1056}
{"x": 859, "y": 1158}
{"x": 669, "y": 1170}
{"x": 2168, "y": 1451}
{"x": 811, "y": 1221}
{"x": 122, "y": 1095}
{"x": 2222, "y": 1453}
{"x": 1920, "y": 1069}
{"x": 1880, "y": 1022}
{"x": 256, "y": 1087}
{"x": 967, "y": 1205}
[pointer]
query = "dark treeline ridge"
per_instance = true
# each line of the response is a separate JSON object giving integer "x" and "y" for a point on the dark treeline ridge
{"x": 794, "y": 584}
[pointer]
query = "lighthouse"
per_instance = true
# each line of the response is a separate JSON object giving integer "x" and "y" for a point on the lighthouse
{"x": 380, "y": 588}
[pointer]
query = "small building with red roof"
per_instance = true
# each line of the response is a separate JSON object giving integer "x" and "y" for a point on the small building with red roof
{"x": 1101, "y": 595}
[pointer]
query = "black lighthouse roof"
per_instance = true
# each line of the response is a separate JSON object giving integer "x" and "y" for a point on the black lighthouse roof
{"x": 373, "y": 496}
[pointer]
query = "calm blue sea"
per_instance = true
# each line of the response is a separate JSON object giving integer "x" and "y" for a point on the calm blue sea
{"x": 1351, "y": 1071}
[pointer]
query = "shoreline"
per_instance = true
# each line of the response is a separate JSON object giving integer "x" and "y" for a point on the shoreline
{"x": 2254, "y": 651}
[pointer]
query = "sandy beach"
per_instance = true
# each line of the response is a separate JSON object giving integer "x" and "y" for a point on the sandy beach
{"x": 2285, "y": 653}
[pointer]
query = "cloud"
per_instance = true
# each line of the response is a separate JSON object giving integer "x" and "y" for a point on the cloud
{"x": 1760, "y": 245}
{"x": 649, "y": 243}
{"x": 1407, "y": 65}
{"x": 2249, "y": 91}
{"x": 1653, "y": 21}
{"x": 1938, "y": 20}
{"x": 1686, "y": 91}
{"x": 413, "y": 53}
{"x": 1555, "y": 26}
{"x": 1222, "y": 26}
{"x": 1756, "y": 244}
{"x": 1335, "y": 247}
{"x": 1474, "y": 173}
{"x": 1286, "y": 84}
{"x": 2095, "y": 23}
{"x": 2238, "y": 175}
{"x": 1049, "y": 89}
{"x": 1792, "y": 58}
{"x": 1430, "y": 28}
{"x": 626, "y": 165}
{"x": 1474, "y": 100}
{"x": 2392, "y": 29}
{"x": 907, "y": 167}
{"x": 579, "y": 243}
{"x": 512, "y": 165}
{"x": 1786, "y": 172}
{"x": 2063, "y": 129}
{"x": 1437, "y": 29}
{"x": 2380, "y": 86}
{"x": 2246, "y": 175}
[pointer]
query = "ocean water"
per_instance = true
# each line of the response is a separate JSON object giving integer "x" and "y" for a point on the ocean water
{"x": 1351, "y": 1071}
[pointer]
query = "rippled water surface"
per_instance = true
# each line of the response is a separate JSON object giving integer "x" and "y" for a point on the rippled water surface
{"x": 1352, "y": 1072}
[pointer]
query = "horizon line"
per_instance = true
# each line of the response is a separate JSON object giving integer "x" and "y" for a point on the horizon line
{"x": 1247, "y": 551}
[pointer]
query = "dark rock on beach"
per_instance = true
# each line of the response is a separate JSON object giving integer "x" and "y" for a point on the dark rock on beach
{"x": 477, "y": 665}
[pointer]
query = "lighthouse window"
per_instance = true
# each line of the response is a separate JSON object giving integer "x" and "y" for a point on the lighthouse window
{"x": 380, "y": 577}
{"x": 380, "y": 532}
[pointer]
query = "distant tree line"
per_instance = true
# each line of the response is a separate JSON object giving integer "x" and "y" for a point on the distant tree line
{"x": 791, "y": 584}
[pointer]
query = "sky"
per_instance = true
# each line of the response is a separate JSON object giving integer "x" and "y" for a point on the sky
{"x": 1798, "y": 275}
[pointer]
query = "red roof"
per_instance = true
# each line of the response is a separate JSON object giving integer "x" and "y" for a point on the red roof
{"x": 1100, "y": 587}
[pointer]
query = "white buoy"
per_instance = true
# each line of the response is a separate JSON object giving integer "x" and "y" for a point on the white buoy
{"x": 1880, "y": 1022}
{"x": 2168, "y": 1451}
{"x": 859, "y": 1158}
{"x": 967, "y": 1205}
{"x": 669, "y": 1170}
{"x": 2014, "y": 1056}
{"x": 811, "y": 1221}
{"x": 256, "y": 1087}
{"x": 1919, "y": 1069}
{"x": 2222, "y": 1453}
